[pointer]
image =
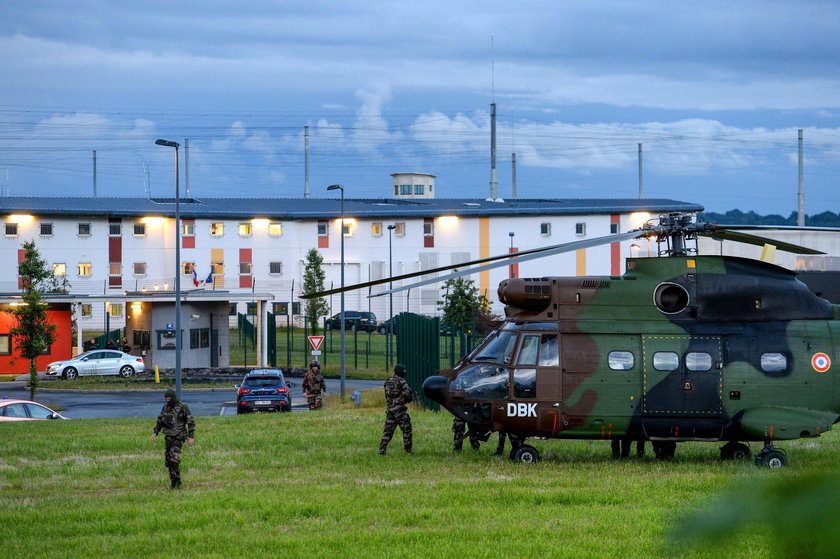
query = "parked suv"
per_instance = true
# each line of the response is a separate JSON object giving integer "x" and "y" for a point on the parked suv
{"x": 263, "y": 390}
{"x": 353, "y": 321}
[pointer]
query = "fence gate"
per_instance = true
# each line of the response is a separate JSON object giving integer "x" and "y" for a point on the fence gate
{"x": 418, "y": 348}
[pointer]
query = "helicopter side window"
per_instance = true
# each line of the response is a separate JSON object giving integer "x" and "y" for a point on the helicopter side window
{"x": 621, "y": 360}
{"x": 528, "y": 351}
{"x": 525, "y": 383}
{"x": 698, "y": 361}
{"x": 499, "y": 349}
{"x": 482, "y": 382}
{"x": 666, "y": 361}
{"x": 549, "y": 356}
{"x": 773, "y": 362}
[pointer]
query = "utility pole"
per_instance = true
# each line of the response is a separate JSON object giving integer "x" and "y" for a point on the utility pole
{"x": 800, "y": 214}
{"x": 641, "y": 176}
{"x": 513, "y": 174}
{"x": 306, "y": 193}
{"x": 187, "y": 165}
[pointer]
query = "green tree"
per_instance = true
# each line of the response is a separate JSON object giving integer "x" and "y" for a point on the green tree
{"x": 313, "y": 281}
{"x": 33, "y": 335}
{"x": 462, "y": 305}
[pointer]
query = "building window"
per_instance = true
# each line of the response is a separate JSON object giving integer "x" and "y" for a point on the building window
{"x": 217, "y": 229}
{"x": 46, "y": 229}
{"x": 166, "y": 339}
{"x": 376, "y": 229}
{"x": 418, "y": 189}
{"x": 114, "y": 269}
{"x": 199, "y": 337}
{"x": 348, "y": 228}
{"x": 218, "y": 268}
{"x": 251, "y": 309}
{"x": 59, "y": 269}
{"x": 275, "y": 268}
{"x": 139, "y": 229}
{"x": 580, "y": 229}
{"x": 87, "y": 310}
{"x": 244, "y": 229}
{"x": 84, "y": 229}
{"x": 396, "y": 190}
{"x": 275, "y": 229}
{"x": 323, "y": 228}
{"x": 5, "y": 344}
{"x": 545, "y": 229}
{"x": 116, "y": 309}
{"x": 114, "y": 229}
{"x": 139, "y": 268}
{"x": 232, "y": 309}
{"x": 187, "y": 268}
{"x": 429, "y": 228}
{"x": 84, "y": 269}
{"x": 188, "y": 229}
{"x": 280, "y": 308}
{"x": 11, "y": 229}
{"x": 399, "y": 229}
{"x": 614, "y": 230}
{"x": 405, "y": 189}
{"x": 244, "y": 268}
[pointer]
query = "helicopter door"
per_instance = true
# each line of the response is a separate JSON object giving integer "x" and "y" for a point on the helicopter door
{"x": 682, "y": 378}
{"x": 537, "y": 383}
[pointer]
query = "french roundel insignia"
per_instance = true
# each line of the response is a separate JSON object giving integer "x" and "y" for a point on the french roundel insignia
{"x": 821, "y": 362}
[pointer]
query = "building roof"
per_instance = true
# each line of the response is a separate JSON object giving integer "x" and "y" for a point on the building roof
{"x": 330, "y": 208}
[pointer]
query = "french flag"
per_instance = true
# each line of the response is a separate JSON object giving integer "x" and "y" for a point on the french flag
{"x": 209, "y": 278}
{"x": 195, "y": 278}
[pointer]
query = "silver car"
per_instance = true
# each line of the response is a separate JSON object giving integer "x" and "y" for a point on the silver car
{"x": 98, "y": 362}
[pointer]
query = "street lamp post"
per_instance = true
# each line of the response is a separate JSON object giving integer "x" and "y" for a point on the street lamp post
{"x": 510, "y": 268}
{"x": 176, "y": 145}
{"x": 390, "y": 300}
{"x": 341, "y": 321}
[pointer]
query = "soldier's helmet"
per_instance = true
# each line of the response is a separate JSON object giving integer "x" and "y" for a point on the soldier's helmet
{"x": 315, "y": 364}
{"x": 399, "y": 370}
{"x": 170, "y": 394}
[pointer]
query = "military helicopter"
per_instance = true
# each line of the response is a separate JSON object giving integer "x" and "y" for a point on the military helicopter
{"x": 687, "y": 347}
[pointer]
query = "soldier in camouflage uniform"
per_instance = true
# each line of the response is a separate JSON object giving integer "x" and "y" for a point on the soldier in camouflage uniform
{"x": 177, "y": 423}
{"x": 314, "y": 387}
{"x": 397, "y": 395}
{"x": 459, "y": 428}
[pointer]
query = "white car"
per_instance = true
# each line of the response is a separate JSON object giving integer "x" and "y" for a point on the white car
{"x": 97, "y": 362}
{"x": 24, "y": 410}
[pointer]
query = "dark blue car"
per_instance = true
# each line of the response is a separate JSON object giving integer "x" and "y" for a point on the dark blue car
{"x": 263, "y": 390}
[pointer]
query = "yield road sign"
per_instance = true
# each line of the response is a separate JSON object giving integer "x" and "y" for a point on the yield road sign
{"x": 315, "y": 341}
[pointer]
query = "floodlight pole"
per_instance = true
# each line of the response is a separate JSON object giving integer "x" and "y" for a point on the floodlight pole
{"x": 341, "y": 321}
{"x": 176, "y": 145}
{"x": 390, "y": 301}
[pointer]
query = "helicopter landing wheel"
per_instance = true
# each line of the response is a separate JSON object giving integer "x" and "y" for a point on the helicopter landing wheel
{"x": 735, "y": 451}
{"x": 771, "y": 458}
{"x": 526, "y": 454}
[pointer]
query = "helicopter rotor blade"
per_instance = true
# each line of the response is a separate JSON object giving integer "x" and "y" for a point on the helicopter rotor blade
{"x": 727, "y": 234}
{"x": 499, "y": 261}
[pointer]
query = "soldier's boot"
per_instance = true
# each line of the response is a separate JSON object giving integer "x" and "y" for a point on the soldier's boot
{"x": 408, "y": 450}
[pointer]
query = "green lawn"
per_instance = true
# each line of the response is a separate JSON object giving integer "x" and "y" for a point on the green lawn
{"x": 312, "y": 485}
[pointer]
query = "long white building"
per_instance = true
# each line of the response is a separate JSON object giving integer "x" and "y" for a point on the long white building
{"x": 110, "y": 246}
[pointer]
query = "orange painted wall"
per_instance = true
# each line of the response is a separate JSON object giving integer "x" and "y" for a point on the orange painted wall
{"x": 61, "y": 348}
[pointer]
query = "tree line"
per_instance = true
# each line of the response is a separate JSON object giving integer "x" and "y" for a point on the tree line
{"x": 737, "y": 217}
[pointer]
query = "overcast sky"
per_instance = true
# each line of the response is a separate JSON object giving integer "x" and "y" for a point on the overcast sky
{"x": 714, "y": 91}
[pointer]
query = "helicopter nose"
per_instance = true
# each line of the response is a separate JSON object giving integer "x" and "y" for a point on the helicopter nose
{"x": 435, "y": 388}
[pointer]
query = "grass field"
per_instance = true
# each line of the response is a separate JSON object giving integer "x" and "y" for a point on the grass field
{"x": 312, "y": 485}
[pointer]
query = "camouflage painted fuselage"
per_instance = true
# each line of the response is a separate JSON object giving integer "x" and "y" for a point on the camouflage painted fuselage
{"x": 679, "y": 348}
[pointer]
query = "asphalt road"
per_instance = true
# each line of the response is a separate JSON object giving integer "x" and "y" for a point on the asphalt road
{"x": 82, "y": 404}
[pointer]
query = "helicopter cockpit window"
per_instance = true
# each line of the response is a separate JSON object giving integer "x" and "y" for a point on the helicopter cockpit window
{"x": 525, "y": 383}
{"x": 666, "y": 361}
{"x": 482, "y": 382}
{"x": 498, "y": 350}
{"x": 621, "y": 360}
{"x": 773, "y": 362}
{"x": 548, "y": 351}
{"x": 528, "y": 350}
{"x": 698, "y": 361}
